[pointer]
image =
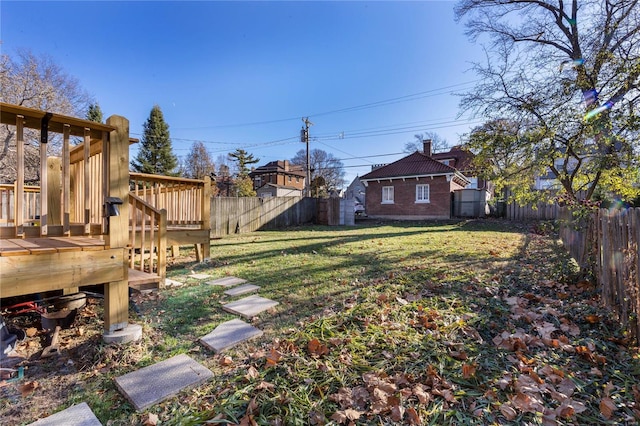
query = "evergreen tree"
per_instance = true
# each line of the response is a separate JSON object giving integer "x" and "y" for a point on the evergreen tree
{"x": 95, "y": 113}
{"x": 155, "y": 155}
{"x": 242, "y": 159}
{"x": 243, "y": 187}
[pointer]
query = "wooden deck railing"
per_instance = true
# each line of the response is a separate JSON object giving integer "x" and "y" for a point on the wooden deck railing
{"x": 184, "y": 199}
{"x": 31, "y": 203}
{"x": 73, "y": 183}
{"x": 147, "y": 237}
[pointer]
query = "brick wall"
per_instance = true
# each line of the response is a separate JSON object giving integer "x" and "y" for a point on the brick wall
{"x": 404, "y": 194}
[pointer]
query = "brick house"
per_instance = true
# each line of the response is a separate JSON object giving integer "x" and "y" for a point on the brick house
{"x": 278, "y": 177}
{"x": 415, "y": 187}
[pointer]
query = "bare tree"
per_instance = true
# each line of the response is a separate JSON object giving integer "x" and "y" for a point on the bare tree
{"x": 327, "y": 172}
{"x": 35, "y": 82}
{"x": 438, "y": 143}
{"x": 568, "y": 70}
{"x": 198, "y": 163}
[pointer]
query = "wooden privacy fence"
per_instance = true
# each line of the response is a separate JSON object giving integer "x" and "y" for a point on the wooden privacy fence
{"x": 607, "y": 242}
{"x": 248, "y": 214}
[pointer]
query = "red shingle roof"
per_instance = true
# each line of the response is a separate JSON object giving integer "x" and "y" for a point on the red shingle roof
{"x": 416, "y": 164}
{"x": 461, "y": 158}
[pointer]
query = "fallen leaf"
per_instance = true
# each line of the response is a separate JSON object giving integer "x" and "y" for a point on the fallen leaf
{"x": 28, "y": 387}
{"x": 151, "y": 420}
{"x": 592, "y": 319}
{"x": 252, "y": 373}
{"x": 226, "y": 361}
{"x": 316, "y": 348}
{"x": 607, "y": 407}
{"x": 265, "y": 386}
{"x": 413, "y": 417}
{"x": 397, "y": 413}
{"x": 352, "y": 414}
{"x": 469, "y": 370}
{"x": 508, "y": 412}
{"x": 421, "y": 394}
{"x": 273, "y": 357}
{"x": 31, "y": 331}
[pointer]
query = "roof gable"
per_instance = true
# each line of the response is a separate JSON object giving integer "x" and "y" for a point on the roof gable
{"x": 279, "y": 166}
{"x": 416, "y": 164}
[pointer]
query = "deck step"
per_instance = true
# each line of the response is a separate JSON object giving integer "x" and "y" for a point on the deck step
{"x": 140, "y": 280}
{"x": 229, "y": 334}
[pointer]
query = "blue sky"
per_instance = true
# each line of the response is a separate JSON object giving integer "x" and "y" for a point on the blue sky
{"x": 369, "y": 75}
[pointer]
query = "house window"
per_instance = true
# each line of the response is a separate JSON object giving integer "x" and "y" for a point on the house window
{"x": 289, "y": 178}
{"x": 387, "y": 195}
{"x": 258, "y": 181}
{"x": 422, "y": 194}
{"x": 446, "y": 162}
{"x": 473, "y": 184}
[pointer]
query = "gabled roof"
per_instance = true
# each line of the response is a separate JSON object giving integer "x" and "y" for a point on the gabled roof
{"x": 413, "y": 165}
{"x": 461, "y": 158}
{"x": 273, "y": 185}
{"x": 279, "y": 166}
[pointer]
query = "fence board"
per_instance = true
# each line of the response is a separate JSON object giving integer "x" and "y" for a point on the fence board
{"x": 607, "y": 243}
{"x": 231, "y": 215}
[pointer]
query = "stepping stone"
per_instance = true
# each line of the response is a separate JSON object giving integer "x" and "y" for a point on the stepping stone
{"x": 227, "y": 281}
{"x": 249, "y": 307}
{"x": 199, "y": 276}
{"x": 76, "y": 415}
{"x": 172, "y": 283}
{"x": 157, "y": 382}
{"x": 229, "y": 334}
{"x": 243, "y": 289}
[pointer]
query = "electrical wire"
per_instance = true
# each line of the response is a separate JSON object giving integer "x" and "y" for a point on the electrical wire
{"x": 406, "y": 98}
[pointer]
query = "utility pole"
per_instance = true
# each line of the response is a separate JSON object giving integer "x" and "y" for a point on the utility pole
{"x": 304, "y": 137}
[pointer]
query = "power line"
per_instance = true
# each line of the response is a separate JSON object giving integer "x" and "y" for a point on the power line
{"x": 390, "y": 101}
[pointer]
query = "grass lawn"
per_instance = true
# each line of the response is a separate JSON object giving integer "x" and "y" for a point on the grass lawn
{"x": 471, "y": 322}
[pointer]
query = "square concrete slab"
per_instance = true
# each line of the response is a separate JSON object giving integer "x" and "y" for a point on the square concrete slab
{"x": 199, "y": 276}
{"x": 76, "y": 415}
{"x": 172, "y": 283}
{"x": 249, "y": 307}
{"x": 227, "y": 281}
{"x": 229, "y": 334}
{"x": 243, "y": 289}
{"x": 157, "y": 382}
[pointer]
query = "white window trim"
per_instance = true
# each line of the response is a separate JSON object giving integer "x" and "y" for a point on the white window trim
{"x": 419, "y": 201}
{"x": 383, "y": 201}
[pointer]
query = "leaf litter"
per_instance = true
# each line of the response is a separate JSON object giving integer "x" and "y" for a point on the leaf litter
{"x": 472, "y": 337}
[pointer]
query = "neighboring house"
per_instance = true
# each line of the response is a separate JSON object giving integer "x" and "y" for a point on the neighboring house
{"x": 279, "y": 174}
{"x": 356, "y": 191}
{"x": 273, "y": 190}
{"x": 415, "y": 187}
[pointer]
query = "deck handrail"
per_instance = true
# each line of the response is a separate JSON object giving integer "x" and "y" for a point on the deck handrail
{"x": 149, "y": 253}
{"x": 31, "y": 197}
{"x": 187, "y": 201}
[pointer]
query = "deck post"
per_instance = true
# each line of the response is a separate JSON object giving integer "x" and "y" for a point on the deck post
{"x": 206, "y": 217}
{"x": 116, "y": 294}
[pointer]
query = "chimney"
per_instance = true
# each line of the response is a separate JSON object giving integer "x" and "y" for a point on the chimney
{"x": 426, "y": 147}
{"x": 286, "y": 165}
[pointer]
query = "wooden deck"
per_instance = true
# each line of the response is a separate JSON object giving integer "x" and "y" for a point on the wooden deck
{"x": 34, "y": 265}
{"x": 39, "y": 246}
{"x": 25, "y": 246}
